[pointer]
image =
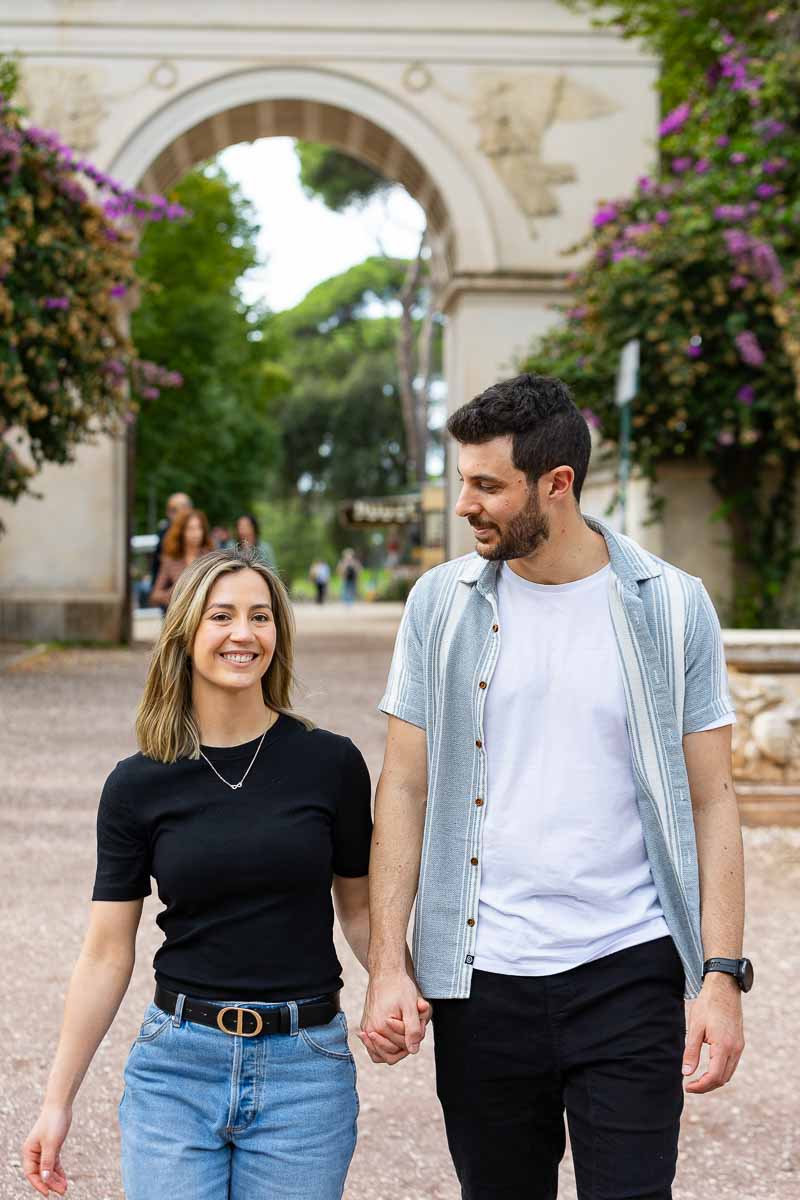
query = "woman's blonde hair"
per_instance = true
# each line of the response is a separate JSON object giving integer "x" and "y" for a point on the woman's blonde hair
{"x": 166, "y": 728}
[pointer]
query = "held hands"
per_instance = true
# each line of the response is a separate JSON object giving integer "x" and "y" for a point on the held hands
{"x": 395, "y": 1018}
{"x": 715, "y": 1017}
{"x": 41, "y": 1151}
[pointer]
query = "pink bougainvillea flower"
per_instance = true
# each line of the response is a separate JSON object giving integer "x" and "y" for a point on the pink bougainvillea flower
{"x": 749, "y": 349}
{"x": 675, "y": 120}
{"x": 605, "y": 215}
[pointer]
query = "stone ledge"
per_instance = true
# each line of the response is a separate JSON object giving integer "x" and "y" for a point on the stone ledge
{"x": 61, "y": 617}
{"x": 770, "y": 650}
{"x": 769, "y": 804}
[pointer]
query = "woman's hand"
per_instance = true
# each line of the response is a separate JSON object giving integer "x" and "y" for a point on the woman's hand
{"x": 42, "y": 1149}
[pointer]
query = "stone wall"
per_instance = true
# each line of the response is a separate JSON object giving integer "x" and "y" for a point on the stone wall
{"x": 764, "y": 673}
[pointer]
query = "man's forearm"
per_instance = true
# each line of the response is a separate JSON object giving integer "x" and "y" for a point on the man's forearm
{"x": 394, "y": 872}
{"x": 721, "y": 863}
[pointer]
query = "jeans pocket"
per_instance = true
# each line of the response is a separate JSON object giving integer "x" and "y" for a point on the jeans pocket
{"x": 329, "y": 1040}
{"x": 154, "y": 1023}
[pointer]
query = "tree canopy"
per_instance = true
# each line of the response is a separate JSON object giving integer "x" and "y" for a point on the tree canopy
{"x": 337, "y": 179}
{"x": 217, "y": 437}
{"x": 341, "y": 427}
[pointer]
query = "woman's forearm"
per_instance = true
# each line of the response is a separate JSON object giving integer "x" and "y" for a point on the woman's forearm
{"x": 95, "y": 992}
{"x": 356, "y": 931}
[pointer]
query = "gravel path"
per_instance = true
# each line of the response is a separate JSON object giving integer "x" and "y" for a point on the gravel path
{"x": 66, "y": 718}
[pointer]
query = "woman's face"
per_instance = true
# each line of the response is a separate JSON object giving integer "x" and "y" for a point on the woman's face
{"x": 245, "y": 531}
{"x": 194, "y": 534}
{"x": 235, "y": 640}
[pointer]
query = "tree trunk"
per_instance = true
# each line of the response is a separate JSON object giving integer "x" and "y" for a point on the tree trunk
{"x": 407, "y": 368}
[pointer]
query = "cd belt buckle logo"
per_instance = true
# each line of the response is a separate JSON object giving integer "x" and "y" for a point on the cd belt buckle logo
{"x": 239, "y": 1031}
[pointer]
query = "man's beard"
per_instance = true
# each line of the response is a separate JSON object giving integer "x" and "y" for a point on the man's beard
{"x": 523, "y": 535}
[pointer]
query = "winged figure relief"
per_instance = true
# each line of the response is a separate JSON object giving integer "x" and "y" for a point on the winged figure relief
{"x": 513, "y": 113}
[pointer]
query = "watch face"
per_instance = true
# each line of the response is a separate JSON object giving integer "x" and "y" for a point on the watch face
{"x": 745, "y": 974}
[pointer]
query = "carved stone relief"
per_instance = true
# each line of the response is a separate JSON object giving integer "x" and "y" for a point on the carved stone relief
{"x": 67, "y": 99}
{"x": 513, "y": 113}
{"x": 766, "y": 737}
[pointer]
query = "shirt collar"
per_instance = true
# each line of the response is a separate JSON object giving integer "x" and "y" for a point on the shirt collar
{"x": 628, "y": 561}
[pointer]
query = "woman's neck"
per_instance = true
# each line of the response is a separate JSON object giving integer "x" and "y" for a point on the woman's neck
{"x": 229, "y": 719}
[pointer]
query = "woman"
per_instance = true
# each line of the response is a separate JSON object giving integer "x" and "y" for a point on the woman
{"x": 248, "y": 534}
{"x": 240, "y": 1083}
{"x": 186, "y": 539}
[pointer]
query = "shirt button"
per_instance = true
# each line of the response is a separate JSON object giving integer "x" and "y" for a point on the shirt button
{"x": 474, "y": 862}
{"x": 495, "y": 628}
{"x": 479, "y": 802}
{"x": 479, "y": 744}
{"x": 482, "y": 683}
{"x": 471, "y": 921}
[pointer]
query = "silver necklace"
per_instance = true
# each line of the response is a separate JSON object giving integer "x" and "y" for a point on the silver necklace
{"x": 234, "y": 786}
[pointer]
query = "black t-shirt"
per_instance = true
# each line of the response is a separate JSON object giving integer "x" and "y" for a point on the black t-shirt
{"x": 245, "y": 875}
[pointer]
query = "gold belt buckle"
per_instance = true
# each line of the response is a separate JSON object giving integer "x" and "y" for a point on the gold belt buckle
{"x": 239, "y": 1030}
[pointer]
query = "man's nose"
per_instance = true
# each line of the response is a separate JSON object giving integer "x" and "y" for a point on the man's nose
{"x": 466, "y": 504}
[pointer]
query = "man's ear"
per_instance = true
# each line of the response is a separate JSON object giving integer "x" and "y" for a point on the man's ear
{"x": 561, "y": 480}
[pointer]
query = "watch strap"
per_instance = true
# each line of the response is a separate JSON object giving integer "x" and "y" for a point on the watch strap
{"x": 730, "y": 966}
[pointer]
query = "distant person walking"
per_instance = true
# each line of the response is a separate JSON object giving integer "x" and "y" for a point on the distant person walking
{"x": 248, "y": 534}
{"x": 177, "y": 503}
{"x": 320, "y": 576}
{"x": 186, "y": 539}
{"x": 349, "y": 569}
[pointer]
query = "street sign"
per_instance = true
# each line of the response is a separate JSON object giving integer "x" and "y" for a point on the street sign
{"x": 628, "y": 372}
{"x": 627, "y": 386}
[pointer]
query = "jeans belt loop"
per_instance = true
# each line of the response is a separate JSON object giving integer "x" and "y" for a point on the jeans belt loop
{"x": 294, "y": 1024}
{"x": 178, "y": 1014}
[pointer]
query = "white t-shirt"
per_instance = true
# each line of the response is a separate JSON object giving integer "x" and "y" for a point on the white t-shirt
{"x": 564, "y": 874}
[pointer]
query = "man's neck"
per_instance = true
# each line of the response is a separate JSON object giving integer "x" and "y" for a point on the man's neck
{"x": 226, "y": 719}
{"x": 573, "y": 551}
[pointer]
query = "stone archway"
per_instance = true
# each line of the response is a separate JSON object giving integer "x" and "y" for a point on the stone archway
{"x": 326, "y": 107}
{"x": 500, "y": 129}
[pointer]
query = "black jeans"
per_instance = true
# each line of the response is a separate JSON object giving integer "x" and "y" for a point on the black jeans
{"x": 603, "y": 1041}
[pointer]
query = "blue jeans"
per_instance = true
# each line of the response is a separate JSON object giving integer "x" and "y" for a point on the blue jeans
{"x": 208, "y": 1116}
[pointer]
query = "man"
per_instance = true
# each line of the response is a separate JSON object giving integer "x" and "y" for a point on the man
{"x": 177, "y": 503}
{"x": 557, "y": 794}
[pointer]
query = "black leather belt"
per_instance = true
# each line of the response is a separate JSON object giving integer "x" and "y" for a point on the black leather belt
{"x": 249, "y": 1022}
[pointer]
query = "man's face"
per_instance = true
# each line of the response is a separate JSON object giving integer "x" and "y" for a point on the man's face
{"x": 505, "y": 514}
{"x": 176, "y": 504}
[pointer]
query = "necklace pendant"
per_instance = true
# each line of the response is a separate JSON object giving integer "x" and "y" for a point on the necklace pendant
{"x": 234, "y": 786}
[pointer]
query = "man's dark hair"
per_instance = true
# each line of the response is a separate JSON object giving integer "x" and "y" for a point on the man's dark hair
{"x": 539, "y": 413}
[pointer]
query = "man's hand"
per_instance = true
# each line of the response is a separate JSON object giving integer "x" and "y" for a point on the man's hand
{"x": 395, "y": 1018}
{"x": 715, "y": 1018}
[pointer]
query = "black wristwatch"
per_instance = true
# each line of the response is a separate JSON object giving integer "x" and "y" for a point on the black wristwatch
{"x": 740, "y": 968}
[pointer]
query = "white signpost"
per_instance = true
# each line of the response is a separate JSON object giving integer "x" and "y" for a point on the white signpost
{"x": 627, "y": 386}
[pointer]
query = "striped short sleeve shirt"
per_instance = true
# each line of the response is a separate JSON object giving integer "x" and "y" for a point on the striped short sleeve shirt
{"x": 672, "y": 661}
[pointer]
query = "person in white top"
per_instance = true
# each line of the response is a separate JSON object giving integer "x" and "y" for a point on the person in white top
{"x": 555, "y": 841}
